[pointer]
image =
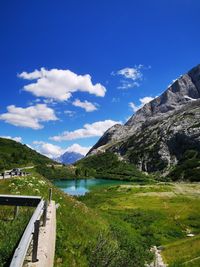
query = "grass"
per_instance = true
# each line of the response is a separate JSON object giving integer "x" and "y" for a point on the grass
{"x": 115, "y": 226}
{"x": 78, "y": 227}
{"x": 53, "y": 172}
{"x": 14, "y": 154}
{"x": 185, "y": 251}
{"x": 11, "y": 230}
{"x": 159, "y": 215}
{"x": 108, "y": 166}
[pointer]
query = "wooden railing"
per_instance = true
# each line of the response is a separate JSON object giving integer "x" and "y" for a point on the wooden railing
{"x": 32, "y": 230}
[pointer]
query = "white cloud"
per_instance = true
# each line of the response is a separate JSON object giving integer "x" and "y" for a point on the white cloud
{"x": 17, "y": 138}
{"x": 127, "y": 84}
{"x": 60, "y": 84}
{"x": 131, "y": 76}
{"x": 29, "y": 117}
{"x": 78, "y": 149}
{"x": 54, "y": 151}
{"x": 48, "y": 149}
{"x": 146, "y": 100}
{"x": 70, "y": 113}
{"x": 88, "y": 106}
{"x": 29, "y": 146}
{"x": 89, "y": 130}
{"x": 131, "y": 73}
{"x": 143, "y": 101}
{"x": 133, "y": 106}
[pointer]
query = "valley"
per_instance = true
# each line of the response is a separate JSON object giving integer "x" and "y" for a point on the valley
{"x": 162, "y": 215}
{"x": 136, "y": 189}
{"x": 118, "y": 224}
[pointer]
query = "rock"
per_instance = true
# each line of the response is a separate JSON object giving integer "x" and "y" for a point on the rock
{"x": 158, "y": 134}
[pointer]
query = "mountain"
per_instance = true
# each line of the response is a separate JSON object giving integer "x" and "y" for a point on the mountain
{"x": 69, "y": 157}
{"x": 14, "y": 154}
{"x": 163, "y": 132}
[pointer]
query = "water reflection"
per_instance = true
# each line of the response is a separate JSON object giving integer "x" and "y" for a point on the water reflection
{"x": 79, "y": 187}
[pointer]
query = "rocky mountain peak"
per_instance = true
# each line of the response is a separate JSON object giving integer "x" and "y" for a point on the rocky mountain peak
{"x": 69, "y": 157}
{"x": 184, "y": 90}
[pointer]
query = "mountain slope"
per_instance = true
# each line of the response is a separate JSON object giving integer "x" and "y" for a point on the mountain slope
{"x": 15, "y": 154}
{"x": 184, "y": 90}
{"x": 161, "y": 132}
{"x": 69, "y": 157}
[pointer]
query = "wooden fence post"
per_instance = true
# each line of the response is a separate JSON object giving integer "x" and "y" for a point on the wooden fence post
{"x": 35, "y": 240}
{"x": 16, "y": 211}
{"x": 44, "y": 218}
{"x": 50, "y": 195}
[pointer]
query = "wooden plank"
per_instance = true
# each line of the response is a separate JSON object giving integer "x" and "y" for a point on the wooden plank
{"x": 13, "y": 200}
{"x": 21, "y": 250}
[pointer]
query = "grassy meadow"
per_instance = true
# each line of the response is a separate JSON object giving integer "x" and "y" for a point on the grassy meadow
{"x": 160, "y": 214}
{"x": 79, "y": 228}
{"x": 116, "y": 226}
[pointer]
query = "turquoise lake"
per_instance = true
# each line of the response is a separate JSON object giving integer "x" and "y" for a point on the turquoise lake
{"x": 79, "y": 187}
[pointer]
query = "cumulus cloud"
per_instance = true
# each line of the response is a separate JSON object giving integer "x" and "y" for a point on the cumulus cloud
{"x": 83, "y": 150}
{"x": 54, "y": 151}
{"x": 17, "y": 138}
{"x": 88, "y": 106}
{"x": 30, "y": 117}
{"x": 60, "y": 84}
{"x": 89, "y": 130}
{"x": 143, "y": 101}
{"x": 48, "y": 149}
{"x": 131, "y": 73}
{"x": 131, "y": 76}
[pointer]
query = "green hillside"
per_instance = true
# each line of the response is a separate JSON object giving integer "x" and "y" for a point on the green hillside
{"x": 107, "y": 165}
{"x": 14, "y": 154}
{"x": 187, "y": 168}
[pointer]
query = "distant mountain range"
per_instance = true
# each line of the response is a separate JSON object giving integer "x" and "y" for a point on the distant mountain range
{"x": 163, "y": 133}
{"x": 69, "y": 157}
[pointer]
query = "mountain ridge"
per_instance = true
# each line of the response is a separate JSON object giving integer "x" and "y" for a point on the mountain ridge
{"x": 149, "y": 138}
{"x": 69, "y": 157}
{"x": 183, "y": 90}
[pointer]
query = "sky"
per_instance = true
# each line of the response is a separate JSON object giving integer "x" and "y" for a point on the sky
{"x": 70, "y": 69}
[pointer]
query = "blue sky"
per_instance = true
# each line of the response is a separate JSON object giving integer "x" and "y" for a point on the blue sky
{"x": 71, "y": 69}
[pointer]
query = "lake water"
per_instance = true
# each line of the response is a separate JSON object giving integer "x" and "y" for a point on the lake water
{"x": 79, "y": 187}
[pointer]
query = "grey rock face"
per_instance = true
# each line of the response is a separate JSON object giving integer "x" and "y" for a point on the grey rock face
{"x": 157, "y": 135}
{"x": 183, "y": 90}
{"x": 114, "y": 134}
{"x": 162, "y": 143}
